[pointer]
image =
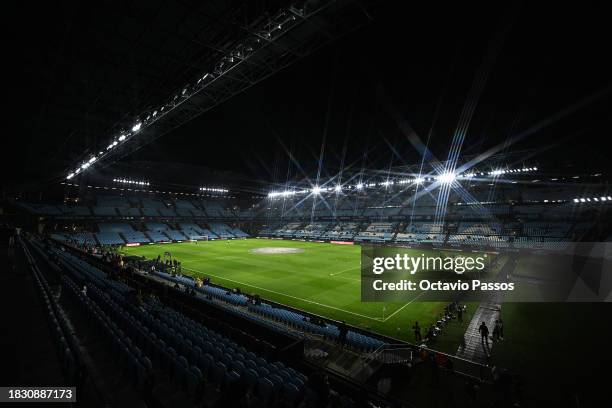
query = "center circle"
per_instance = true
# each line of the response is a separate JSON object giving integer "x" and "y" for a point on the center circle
{"x": 276, "y": 250}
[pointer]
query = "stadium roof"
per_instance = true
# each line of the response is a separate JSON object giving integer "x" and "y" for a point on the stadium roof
{"x": 469, "y": 78}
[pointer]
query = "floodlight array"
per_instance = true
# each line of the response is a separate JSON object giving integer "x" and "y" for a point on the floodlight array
{"x": 500, "y": 172}
{"x": 443, "y": 178}
{"x": 134, "y": 182}
{"x": 214, "y": 190}
{"x": 607, "y": 199}
{"x": 268, "y": 31}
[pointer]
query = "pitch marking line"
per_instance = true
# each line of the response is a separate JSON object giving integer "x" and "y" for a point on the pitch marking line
{"x": 378, "y": 319}
{"x": 394, "y": 313}
{"x": 347, "y": 278}
{"x": 345, "y": 270}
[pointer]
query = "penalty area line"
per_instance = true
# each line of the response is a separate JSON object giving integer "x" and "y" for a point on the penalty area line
{"x": 394, "y": 313}
{"x": 345, "y": 270}
{"x": 378, "y": 319}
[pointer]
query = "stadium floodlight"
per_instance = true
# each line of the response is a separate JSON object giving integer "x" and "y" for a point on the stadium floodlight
{"x": 71, "y": 175}
{"x": 316, "y": 190}
{"x": 447, "y": 177}
{"x": 214, "y": 189}
{"x": 576, "y": 200}
{"x": 609, "y": 198}
{"x": 136, "y": 127}
{"x": 359, "y": 186}
{"x": 419, "y": 180}
{"x": 121, "y": 138}
{"x": 338, "y": 188}
{"x": 387, "y": 183}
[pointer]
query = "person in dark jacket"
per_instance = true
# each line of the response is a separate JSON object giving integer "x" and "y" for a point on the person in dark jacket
{"x": 484, "y": 332}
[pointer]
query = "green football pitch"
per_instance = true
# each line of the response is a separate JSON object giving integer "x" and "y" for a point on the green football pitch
{"x": 319, "y": 278}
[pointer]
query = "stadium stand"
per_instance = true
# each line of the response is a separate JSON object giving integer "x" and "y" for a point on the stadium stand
{"x": 135, "y": 237}
{"x": 175, "y": 235}
{"x": 130, "y": 212}
{"x": 491, "y": 225}
{"x": 109, "y": 238}
{"x": 221, "y": 230}
{"x": 149, "y": 337}
{"x": 105, "y": 211}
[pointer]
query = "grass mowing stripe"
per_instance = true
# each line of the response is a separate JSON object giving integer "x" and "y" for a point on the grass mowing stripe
{"x": 306, "y": 276}
{"x": 284, "y": 294}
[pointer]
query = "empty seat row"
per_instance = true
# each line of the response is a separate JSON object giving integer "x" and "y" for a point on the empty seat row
{"x": 288, "y": 317}
{"x": 156, "y": 336}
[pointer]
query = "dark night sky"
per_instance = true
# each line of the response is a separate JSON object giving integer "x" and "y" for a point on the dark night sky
{"x": 419, "y": 64}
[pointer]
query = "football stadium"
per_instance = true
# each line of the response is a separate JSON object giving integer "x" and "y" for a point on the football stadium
{"x": 296, "y": 204}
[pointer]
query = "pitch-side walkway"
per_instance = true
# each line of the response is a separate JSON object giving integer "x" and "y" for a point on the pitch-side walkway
{"x": 474, "y": 347}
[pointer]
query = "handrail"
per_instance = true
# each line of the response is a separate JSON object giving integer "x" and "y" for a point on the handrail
{"x": 475, "y": 370}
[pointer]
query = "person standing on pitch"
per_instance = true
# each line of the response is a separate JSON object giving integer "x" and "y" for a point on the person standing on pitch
{"x": 417, "y": 332}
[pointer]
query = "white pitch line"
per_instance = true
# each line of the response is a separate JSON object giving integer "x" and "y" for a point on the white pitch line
{"x": 345, "y": 270}
{"x": 393, "y": 314}
{"x": 378, "y": 319}
{"x": 347, "y": 278}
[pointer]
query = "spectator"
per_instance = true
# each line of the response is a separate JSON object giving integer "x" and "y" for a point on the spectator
{"x": 501, "y": 328}
{"x": 417, "y": 332}
{"x": 460, "y": 314}
{"x": 484, "y": 332}
{"x": 496, "y": 331}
